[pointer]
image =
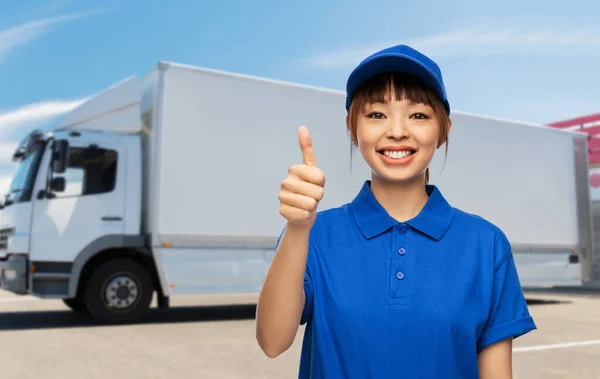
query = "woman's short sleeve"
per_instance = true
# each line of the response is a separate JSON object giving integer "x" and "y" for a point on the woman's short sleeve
{"x": 309, "y": 292}
{"x": 508, "y": 314}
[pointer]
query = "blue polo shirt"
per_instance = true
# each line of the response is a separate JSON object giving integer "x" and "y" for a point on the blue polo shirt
{"x": 415, "y": 299}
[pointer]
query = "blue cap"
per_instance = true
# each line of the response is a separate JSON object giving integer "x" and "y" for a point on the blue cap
{"x": 400, "y": 58}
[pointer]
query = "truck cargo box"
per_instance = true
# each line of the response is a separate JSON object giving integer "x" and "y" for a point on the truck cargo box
{"x": 221, "y": 144}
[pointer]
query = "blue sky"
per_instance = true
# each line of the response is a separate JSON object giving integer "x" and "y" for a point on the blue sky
{"x": 535, "y": 61}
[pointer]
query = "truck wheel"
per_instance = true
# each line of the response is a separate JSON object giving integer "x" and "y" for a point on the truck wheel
{"x": 76, "y": 304}
{"x": 119, "y": 291}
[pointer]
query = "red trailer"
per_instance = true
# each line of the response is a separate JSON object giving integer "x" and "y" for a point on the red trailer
{"x": 589, "y": 124}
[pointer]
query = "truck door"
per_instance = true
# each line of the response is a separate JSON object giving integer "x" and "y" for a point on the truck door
{"x": 91, "y": 204}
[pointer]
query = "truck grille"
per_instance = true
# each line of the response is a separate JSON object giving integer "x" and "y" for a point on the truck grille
{"x": 4, "y": 235}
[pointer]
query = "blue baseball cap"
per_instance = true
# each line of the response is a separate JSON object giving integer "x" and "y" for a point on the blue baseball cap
{"x": 399, "y": 58}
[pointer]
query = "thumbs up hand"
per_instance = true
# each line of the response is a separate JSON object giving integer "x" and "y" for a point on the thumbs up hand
{"x": 308, "y": 154}
{"x": 303, "y": 188}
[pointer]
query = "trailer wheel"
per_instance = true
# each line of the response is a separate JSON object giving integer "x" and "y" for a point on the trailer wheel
{"x": 119, "y": 291}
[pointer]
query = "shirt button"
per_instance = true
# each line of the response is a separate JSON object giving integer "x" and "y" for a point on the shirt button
{"x": 402, "y": 230}
{"x": 400, "y": 275}
{"x": 402, "y": 251}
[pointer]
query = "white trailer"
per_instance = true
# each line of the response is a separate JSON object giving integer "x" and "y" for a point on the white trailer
{"x": 168, "y": 185}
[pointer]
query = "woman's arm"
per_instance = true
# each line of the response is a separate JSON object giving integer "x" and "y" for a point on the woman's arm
{"x": 495, "y": 361}
{"x": 282, "y": 297}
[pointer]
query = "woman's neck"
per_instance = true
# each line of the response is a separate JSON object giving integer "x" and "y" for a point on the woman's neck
{"x": 402, "y": 201}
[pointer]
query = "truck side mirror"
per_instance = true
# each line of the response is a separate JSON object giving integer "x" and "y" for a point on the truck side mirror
{"x": 61, "y": 150}
{"x": 57, "y": 184}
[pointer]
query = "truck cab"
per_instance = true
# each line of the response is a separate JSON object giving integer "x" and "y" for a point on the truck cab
{"x": 70, "y": 223}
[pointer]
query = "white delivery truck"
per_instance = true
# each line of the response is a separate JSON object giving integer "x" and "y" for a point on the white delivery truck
{"x": 168, "y": 185}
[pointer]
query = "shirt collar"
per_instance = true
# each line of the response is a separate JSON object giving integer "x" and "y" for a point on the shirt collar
{"x": 372, "y": 219}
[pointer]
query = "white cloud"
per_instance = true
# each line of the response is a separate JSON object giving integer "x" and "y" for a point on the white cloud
{"x": 16, "y": 123}
{"x": 486, "y": 40}
{"x": 19, "y": 35}
{"x": 36, "y": 112}
{"x": 6, "y": 152}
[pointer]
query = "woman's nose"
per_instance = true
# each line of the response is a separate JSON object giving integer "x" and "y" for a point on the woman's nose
{"x": 397, "y": 128}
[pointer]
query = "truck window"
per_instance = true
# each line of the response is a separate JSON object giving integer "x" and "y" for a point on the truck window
{"x": 21, "y": 186}
{"x": 90, "y": 171}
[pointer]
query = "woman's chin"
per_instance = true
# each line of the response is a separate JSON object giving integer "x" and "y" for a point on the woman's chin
{"x": 398, "y": 177}
{"x": 406, "y": 171}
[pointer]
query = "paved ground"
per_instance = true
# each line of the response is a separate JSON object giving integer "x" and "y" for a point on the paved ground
{"x": 190, "y": 341}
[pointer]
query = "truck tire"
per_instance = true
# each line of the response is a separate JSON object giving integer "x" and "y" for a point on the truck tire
{"x": 76, "y": 304}
{"x": 119, "y": 291}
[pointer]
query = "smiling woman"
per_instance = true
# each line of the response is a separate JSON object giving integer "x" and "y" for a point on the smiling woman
{"x": 397, "y": 281}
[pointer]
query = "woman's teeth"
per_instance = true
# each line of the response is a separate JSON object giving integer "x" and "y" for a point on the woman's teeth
{"x": 397, "y": 154}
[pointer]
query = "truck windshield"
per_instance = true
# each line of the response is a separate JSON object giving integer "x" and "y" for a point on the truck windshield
{"x": 24, "y": 178}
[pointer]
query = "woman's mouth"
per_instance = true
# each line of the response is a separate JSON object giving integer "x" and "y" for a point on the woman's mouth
{"x": 397, "y": 154}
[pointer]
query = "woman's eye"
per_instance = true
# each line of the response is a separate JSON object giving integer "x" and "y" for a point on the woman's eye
{"x": 420, "y": 116}
{"x": 376, "y": 115}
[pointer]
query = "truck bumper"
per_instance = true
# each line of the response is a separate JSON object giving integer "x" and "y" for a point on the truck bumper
{"x": 13, "y": 273}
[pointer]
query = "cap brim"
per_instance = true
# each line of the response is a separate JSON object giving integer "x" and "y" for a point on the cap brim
{"x": 391, "y": 63}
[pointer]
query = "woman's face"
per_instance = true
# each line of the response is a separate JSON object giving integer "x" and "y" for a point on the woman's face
{"x": 398, "y": 138}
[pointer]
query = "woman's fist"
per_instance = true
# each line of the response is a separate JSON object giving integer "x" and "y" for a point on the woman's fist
{"x": 303, "y": 188}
